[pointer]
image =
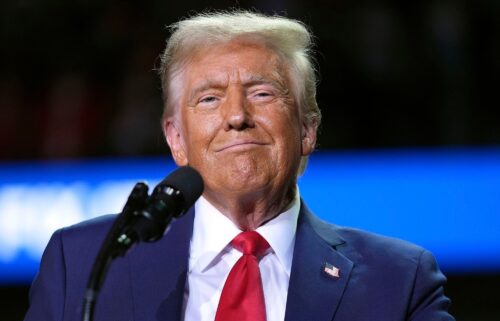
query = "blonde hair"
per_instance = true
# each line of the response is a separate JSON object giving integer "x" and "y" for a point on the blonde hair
{"x": 287, "y": 37}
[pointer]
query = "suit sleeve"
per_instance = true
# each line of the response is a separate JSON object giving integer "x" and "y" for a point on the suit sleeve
{"x": 47, "y": 293}
{"x": 428, "y": 302}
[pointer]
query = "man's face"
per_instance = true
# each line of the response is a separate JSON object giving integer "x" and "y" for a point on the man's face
{"x": 237, "y": 121}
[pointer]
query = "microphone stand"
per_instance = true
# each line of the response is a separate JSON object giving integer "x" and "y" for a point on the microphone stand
{"x": 144, "y": 218}
{"x": 116, "y": 244}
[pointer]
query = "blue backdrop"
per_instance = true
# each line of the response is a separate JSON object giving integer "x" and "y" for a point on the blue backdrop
{"x": 445, "y": 200}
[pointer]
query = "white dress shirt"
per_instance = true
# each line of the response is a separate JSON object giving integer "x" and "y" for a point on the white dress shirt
{"x": 212, "y": 257}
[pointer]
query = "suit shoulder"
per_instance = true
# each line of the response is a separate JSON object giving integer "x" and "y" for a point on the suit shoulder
{"x": 91, "y": 231}
{"x": 354, "y": 240}
{"x": 361, "y": 239}
{"x": 94, "y": 224}
{"x": 363, "y": 236}
{"x": 384, "y": 247}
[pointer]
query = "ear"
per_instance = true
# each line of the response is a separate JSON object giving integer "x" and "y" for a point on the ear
{"x": 175, "y": 141}
{"x": 308, "y": 137}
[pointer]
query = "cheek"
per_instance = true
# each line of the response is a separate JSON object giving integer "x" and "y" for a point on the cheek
{"x": 287, "y": 123}
{"x": 284, "y": 128}
{"x": 200, "y": 130}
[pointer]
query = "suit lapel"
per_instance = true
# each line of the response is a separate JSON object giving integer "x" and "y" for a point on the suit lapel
{"x": 313, "y": 293}
{"x": 158, "y": 273}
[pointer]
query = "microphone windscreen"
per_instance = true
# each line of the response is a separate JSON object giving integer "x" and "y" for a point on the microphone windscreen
{"x": 186, "y": 180}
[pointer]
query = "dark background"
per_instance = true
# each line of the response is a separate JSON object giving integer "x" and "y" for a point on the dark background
{"x": 77, "y": 80}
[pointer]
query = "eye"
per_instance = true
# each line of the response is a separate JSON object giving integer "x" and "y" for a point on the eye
{"x": 208, "y": 99}
{"x": 262, "y": 95}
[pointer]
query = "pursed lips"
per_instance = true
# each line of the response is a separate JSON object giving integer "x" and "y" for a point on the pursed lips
{"x": 239, "y": 145}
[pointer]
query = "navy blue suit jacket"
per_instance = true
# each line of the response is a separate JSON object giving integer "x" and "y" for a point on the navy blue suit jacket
{"x": 380, "y": 279}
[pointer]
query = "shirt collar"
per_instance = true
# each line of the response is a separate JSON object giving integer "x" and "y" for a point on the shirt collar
{"x": 213, "y": 231}
{"x": 280, "y": 233}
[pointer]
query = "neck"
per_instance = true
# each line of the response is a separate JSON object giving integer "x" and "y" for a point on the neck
{"x": 248, "y": 211}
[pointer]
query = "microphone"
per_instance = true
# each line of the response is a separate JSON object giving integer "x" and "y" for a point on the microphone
{"x": 144, "y": 218}
{"x": 170, "y": 199}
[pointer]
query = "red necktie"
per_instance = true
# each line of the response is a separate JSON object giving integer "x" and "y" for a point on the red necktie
{"x": 242, "y": 297}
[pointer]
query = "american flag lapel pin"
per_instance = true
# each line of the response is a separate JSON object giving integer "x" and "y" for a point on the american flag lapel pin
{"x": 331, "y": 270}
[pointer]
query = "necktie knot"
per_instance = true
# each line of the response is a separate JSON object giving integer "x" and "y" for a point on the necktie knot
{"x": 250, "y": 243}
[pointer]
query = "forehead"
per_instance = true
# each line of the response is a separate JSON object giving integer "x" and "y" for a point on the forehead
{"x": 237, "y": 59}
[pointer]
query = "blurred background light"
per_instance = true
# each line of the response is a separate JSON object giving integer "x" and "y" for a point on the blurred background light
{"x": 447, "y": 201}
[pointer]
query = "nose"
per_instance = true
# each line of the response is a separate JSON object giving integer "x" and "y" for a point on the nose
{"x": 237, "y": 111}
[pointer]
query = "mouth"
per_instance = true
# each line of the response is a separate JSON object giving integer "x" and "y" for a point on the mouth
{"x": 240, "y": 145}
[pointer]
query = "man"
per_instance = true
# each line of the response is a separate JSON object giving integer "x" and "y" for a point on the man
{"x": 239, "y": 95}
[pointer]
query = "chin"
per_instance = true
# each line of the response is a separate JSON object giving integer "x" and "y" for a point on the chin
{"x": 247, "y": 181}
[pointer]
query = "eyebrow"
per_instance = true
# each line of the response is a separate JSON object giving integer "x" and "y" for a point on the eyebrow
{"x": 205, "y": 85}
{"x": 277, "y": 82}
{"x": 276, "y": 79}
